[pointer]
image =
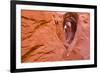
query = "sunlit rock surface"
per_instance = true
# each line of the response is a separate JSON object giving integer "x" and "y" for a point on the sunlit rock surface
{"x": 44, "y": 37}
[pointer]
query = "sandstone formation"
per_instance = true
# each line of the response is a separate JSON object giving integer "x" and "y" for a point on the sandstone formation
{"x": 54, "y": 36}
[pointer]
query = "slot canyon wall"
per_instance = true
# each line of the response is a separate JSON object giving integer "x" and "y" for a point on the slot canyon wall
{"x": 54, "y": 36}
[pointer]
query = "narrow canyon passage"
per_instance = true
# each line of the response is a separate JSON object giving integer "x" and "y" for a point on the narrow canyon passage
{"x": 54, "y": 36}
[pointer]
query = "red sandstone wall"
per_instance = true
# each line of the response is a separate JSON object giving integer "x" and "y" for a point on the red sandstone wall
{"x": 43, "y": 37}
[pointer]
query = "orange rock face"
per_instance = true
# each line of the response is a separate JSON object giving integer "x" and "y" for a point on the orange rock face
{"x": 54, "y": 36}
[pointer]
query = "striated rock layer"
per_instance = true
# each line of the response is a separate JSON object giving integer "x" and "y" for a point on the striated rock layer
{"x": 54, "y": 36}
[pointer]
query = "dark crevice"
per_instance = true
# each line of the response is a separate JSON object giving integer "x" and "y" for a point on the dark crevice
{"x": 28, "y": 36}
{"x": 40, "y": 23}
{"x": 70, "y": 25}
{"x": 28, "y": 18}
{"x": 30, "y": 51}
